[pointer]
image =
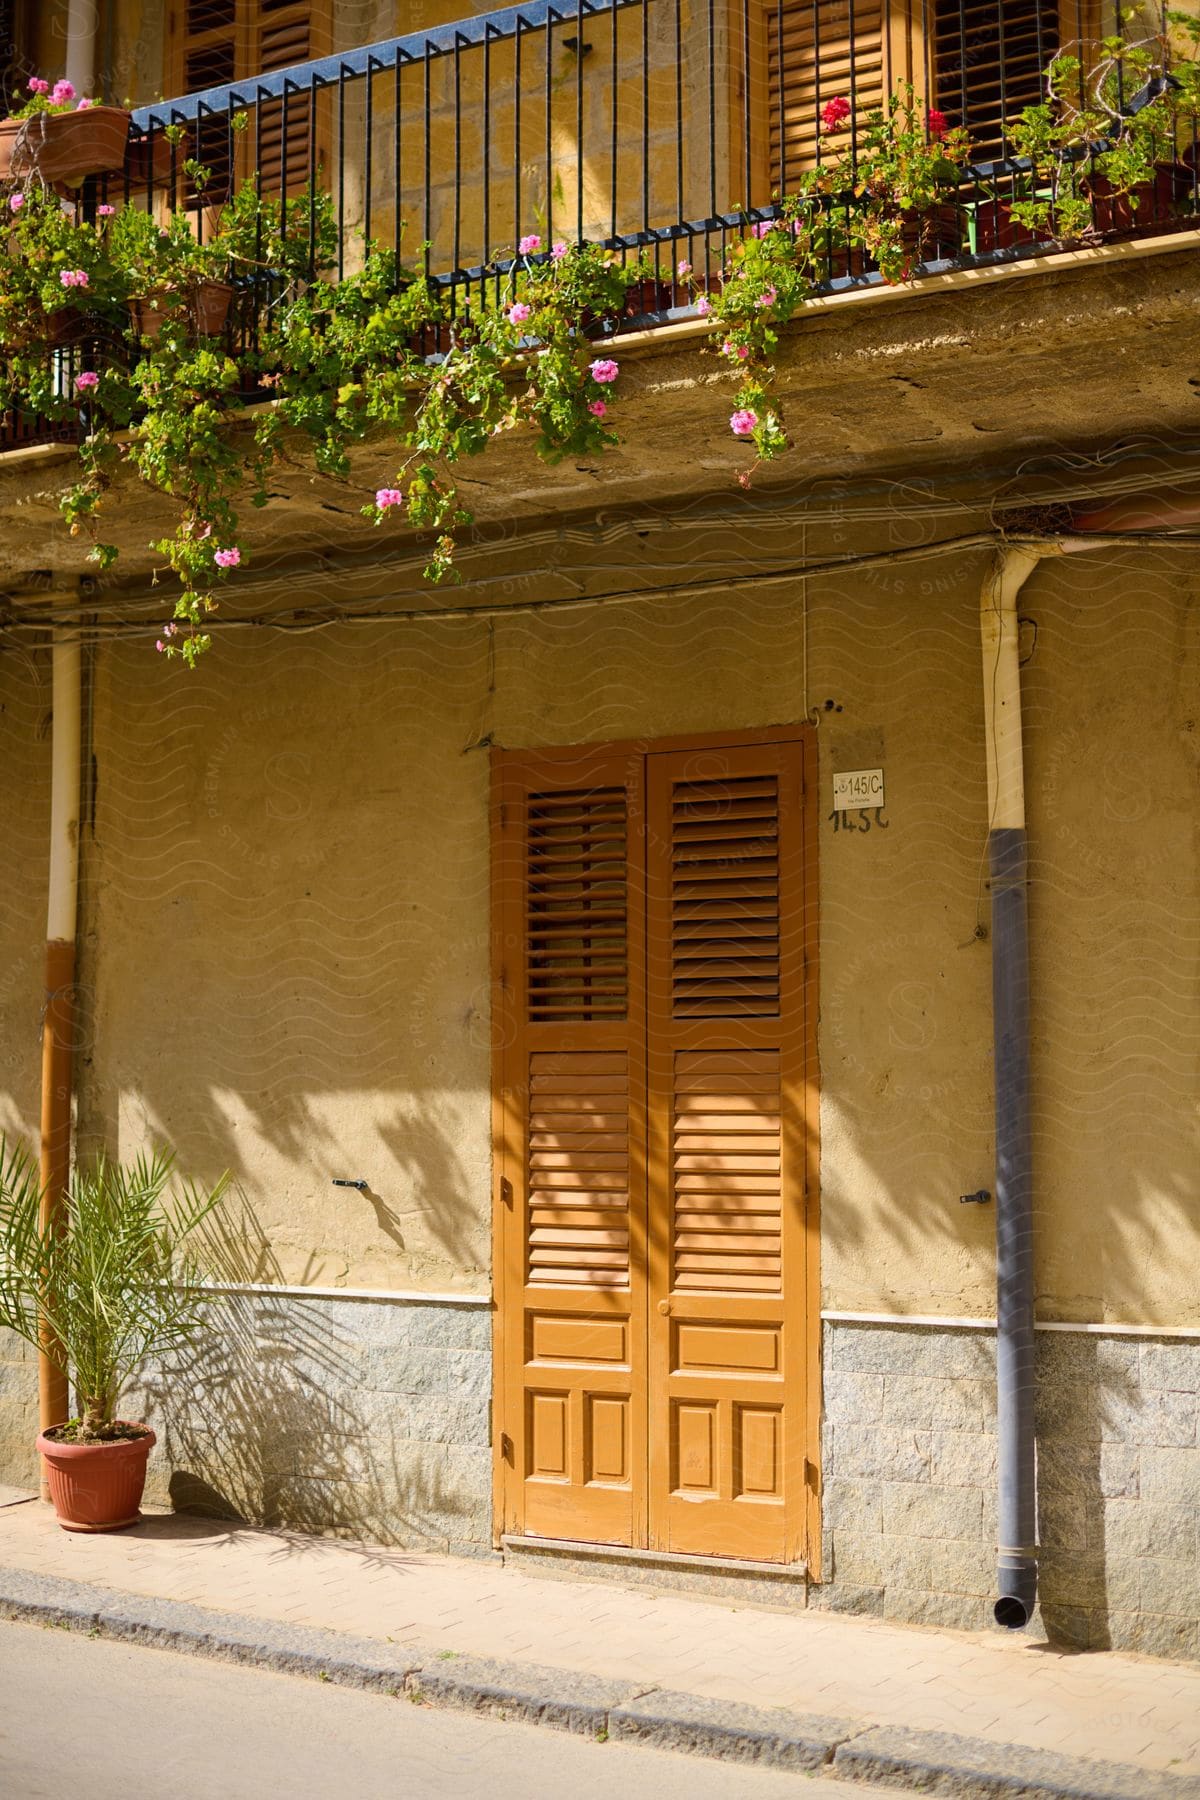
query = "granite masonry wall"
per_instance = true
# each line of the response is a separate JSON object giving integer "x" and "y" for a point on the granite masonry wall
{"x": 18, "y": 1412}
{"x": 367, "y": 1419}
{"x": 910, "y": 1469}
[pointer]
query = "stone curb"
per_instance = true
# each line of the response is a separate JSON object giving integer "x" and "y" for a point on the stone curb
{"x": 730, "y": 1730}
{"x": 936, "y": 1762}
{"x": 926, "y": 1762}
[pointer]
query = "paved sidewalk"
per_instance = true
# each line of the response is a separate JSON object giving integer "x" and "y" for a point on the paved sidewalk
{"x": 1009, "y": 1690}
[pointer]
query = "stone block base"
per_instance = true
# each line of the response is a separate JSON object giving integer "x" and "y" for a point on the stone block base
{"x": 909, "y": 1482}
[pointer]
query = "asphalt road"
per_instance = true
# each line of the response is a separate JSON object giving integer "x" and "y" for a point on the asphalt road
{"x": 107, "y": 1721}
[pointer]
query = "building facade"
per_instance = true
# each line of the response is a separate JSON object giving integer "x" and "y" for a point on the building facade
{"x": 587, "y": 974}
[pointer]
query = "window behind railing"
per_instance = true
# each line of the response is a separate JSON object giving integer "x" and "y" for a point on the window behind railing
{"x": 215, "y": 42}
{"x": 988, "y": 61}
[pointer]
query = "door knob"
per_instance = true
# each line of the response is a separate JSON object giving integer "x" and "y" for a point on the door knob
{"x": 664, "y": 1307}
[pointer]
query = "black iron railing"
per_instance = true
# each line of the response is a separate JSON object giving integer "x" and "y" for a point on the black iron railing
{"x": 663, "y": 128}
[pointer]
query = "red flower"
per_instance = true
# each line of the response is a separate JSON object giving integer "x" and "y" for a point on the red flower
{"x": 938, "y": 124}
{"x": 834, "y": 113}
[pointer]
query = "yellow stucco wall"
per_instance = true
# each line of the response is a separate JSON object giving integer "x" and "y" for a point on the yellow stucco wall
{"x": 286, "y": 955}
{"x": 133, "y": 52}
{"x": 24, "y": 840}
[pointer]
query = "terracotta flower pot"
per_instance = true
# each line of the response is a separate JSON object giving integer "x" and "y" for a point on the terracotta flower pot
{"x": 148, "y": 162}
{"x": 65, "y": 147}
{"x": 646, "y": 297}
{"x": 937, "y": 232}
{"x": 97, "y": 1487}
{"x": 1158, "y": 201}
{"x": 210, "y": 307}
{"x": 145, "y": 317}
{"x": 996, "y": 229}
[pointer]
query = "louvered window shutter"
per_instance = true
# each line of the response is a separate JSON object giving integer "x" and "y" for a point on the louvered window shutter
{"x": 206, "y": 56}
{"x": 285, "y": 37}
{"x": 816, "y": 50}
{"x": 988, "y": 61}
{"x": 216, "y": 42}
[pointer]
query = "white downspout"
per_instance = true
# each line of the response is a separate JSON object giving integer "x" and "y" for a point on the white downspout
{"x": 58, "y": 1020}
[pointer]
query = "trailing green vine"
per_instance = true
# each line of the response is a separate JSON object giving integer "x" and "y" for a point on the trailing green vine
{"x": 115, "y": 322}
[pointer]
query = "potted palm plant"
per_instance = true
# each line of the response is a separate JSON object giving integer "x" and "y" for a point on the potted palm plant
{"x": 102, "y": 1295}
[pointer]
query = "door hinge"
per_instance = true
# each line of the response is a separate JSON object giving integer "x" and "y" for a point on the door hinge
{"x": 506, "y": 1447}
{"x": 506, "y": 1190}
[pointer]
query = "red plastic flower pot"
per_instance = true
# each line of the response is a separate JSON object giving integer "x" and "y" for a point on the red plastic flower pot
{"x": 97, "y": 1487}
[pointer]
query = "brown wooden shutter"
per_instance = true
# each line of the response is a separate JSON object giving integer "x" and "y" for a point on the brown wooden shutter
{"x": 988, "y": 60}
{"x": 216, "y": 42}
{"x": 285, "y": 37}
{"x": 570, "y": 1011}
{"x": 205, "y": 56}
{"x": 816, "y": 50}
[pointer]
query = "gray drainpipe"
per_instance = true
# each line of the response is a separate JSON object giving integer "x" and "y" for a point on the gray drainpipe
{"x": 1016, "y": 1558}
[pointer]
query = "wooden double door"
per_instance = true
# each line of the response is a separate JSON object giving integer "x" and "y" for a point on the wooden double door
{"x": 655, "y": 911}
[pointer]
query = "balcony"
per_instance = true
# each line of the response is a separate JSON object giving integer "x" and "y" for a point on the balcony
{"x": 659, "y": 125}
{"x": 660, "y": 128}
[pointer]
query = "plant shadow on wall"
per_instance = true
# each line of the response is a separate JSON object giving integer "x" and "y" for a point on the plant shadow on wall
{"x": 268, "y": 1418}
{"x": 120, "y": 321}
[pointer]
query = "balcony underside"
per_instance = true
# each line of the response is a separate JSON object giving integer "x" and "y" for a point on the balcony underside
{"x": 966, "y": 376}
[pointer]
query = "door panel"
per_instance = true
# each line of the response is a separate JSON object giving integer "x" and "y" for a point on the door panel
{"x": 725, "y": 1072}
{"x": 570, "y": 920}
{"x": 653, "y": 1018}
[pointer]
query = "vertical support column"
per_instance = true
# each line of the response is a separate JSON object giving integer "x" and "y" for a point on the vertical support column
{"x": 58, "y": 1027}
{"x": 1017, "y": 1565}
{"x": 82, "y": 18}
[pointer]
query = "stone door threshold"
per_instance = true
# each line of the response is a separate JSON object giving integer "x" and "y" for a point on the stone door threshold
{"x": 714, "y": 1577}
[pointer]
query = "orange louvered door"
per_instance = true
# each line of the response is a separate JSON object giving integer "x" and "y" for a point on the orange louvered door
{"x": 726, "y": 1069}
{"x": 570, "y": 1129}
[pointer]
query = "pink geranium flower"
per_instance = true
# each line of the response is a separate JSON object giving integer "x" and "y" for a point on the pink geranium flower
{"x": 558, "y": 251}
{"x": 73, "y": 278}
{"x": 518, "y": 314}
{"x": 105, "y": 212}
{"x": 604, "y": 370}
{"x": 84, "y": 104}
{"x": 685, "y": 268}
{"x": 743, "y": 422}
{"x": 16, "y": 202}
{"x": 597, "y": 408}
{"x": 529, "y": 244}
{"x": 704, "y": 306}
{"x": 767, "y": 298}
{"x": 386, "y": 497}
{"x": 38, "y": 86}
{"x": 89, "y": 379}
{"x": 227, "y": 559}
{"x": 62, "y": 92}
{"x": 834, "y": 113}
